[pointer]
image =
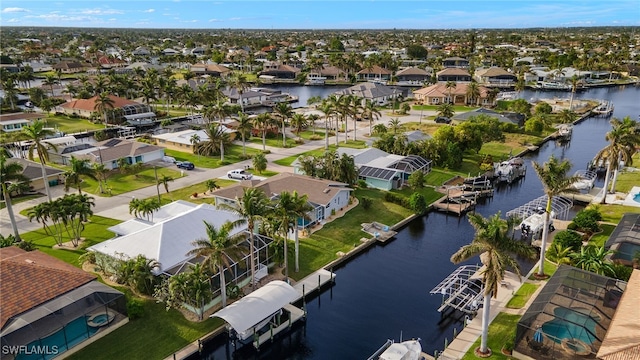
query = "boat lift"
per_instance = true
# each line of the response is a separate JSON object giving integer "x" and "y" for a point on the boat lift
{"x": 560, "y": 206}
{"x": 461, "y": 290}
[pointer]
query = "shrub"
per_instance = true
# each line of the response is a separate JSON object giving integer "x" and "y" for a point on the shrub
{"x": 418, "y": 203}
{"x": 569, "y": 239}
{"x": 397, "y": 199}
{"x": 299, "y": 141}
{"x": 195, "y": 194}
{"x": 135, "y": 308}
{"x": 315, "y": 137}
{"x": 244, "y": 156}
{"x": 572, "y": 226}
{"x": 362, "y": 184}
{"x": 587, "y": 220}
{"x": 366, "y": 203}
{"x": 266, "y": 152}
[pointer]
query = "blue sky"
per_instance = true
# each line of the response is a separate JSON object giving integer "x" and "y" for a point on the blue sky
{"x": 311, "y": 14}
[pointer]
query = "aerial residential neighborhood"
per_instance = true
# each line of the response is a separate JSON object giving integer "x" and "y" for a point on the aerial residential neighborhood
{"x": 195, "y": 193}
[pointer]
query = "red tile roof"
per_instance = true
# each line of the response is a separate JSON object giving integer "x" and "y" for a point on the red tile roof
{"x": 29, "y": 279}
{"x": 90, "y": 104}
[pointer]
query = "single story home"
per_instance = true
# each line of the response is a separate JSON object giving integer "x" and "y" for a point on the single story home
{"x": 505, "y": 117}
{"x": 439, "y": 93}
{"x": 33, "y": 171}
{"x": 215, "y": 70}
{"x": 70, "y": 67}
{"x": 249, "y": 97}
{"x": 16, "y": 121}
{"x": 87, "y": 107}
{"x": 108, "y": 152}
{"x": 376, "y": 92}
{"x": 181, "y": 140}
{"x": 325, "y": 196}
{"x": 279, "y": 71}
{"x": 46, "y": 301}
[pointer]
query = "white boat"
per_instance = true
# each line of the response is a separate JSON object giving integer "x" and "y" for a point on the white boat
{"x": 551, "y": 85}
{"x": 510, "y": 170}
{"x": 605, "y": 108}
{"x": 564, "y": 132}
{"x": 587, "y": 180}
{"x": 405, "y": 350}
{"x": 533, "y": 224}
{"x": 314, "y": 79}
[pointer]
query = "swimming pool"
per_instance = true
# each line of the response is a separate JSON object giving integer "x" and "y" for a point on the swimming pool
{"x": 626, "y": 251}
{"x": 69, "y": 336}
{"x": 571, "y": 324}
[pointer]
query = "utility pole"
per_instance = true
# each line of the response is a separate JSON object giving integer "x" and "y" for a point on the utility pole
{"x": 155, "y": 172}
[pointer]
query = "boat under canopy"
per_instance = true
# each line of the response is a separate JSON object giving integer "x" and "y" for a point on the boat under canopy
{"x": 251, "y": 310}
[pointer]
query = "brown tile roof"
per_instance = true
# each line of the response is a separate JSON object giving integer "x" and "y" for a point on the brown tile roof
{"x": 319, "y": 191}
{"x": 90, "y": 104}
{"x": 622, "y": 341}
{"x": 29, "y": 279}
{"x": 453, "y": 71}
{"x": 440, "y": 90}
{"x": 331, "y": 71}
{"x": 20, "y": 116}
{"x": 412, "y": 71}
{"x": 493, "y": 71}
{"x": 212, "y": 68}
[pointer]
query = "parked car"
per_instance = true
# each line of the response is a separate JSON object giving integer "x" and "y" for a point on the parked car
{"x": 443, "y": 120}
{"x": 187, "y": 165}
{"x": 239, "y": 174}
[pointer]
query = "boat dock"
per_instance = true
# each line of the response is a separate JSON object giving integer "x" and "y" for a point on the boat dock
{"x": 380, "y": 232}
{"x": 295, "y": 314}
{"x": 315, "y": 281}
{"x": 457, "y": 200}
{"x": 586, "y": 198}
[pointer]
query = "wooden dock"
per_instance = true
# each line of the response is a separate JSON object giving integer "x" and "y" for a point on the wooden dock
{"x": 457, "y": 200}
{"x": 313, "y": 282}
{"x": 585, "y": 198}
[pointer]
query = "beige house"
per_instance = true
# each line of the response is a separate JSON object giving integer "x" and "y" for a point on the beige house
{"x": 33, "y": 171}
{"x": 182, "y": 140}
{"x": 16, "y": 121}
{"x": 495, "y": 76}
{"x": 108, "y": 152}
{"x": 87, "y": 107}
{"x": 439, "y": 93}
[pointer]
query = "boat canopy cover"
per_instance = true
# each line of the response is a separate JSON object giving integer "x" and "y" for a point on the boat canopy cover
{"x": 249, "y": 311}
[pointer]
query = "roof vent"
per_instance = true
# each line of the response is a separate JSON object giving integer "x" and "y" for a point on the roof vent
{"x": 29, "y": 261}
{"x": 326, "y": 191}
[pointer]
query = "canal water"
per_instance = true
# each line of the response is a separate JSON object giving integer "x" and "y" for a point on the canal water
{"x": 383, "y": 293}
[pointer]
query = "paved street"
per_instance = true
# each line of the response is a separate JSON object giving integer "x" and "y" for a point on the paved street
{"x": 117, "y": 207}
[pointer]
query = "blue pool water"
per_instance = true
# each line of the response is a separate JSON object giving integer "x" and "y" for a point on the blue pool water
{"x": 626, "y": 251}
{"x": 72, "y": 334}
{"x": 570, "y": 324}
{"x": 636, "y": 198}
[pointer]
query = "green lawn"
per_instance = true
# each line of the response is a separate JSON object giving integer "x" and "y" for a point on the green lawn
{"x": 437, "y": 177}
{"x": 344, "y": 233}
{"x": 600, "y": 238}
{"x": 549, "y": 269}
{"x": 430, "y": 194}
{"x": 355, "y": 144}
{"x": 121, "y": 183}
{"x": 156, "y": 335}
{"x": 613, "y": 213}
{"x": 521, "y": 296}
{"x": 231, "y": 155}
{"x": 95, "y": 231}
{"x": 185, "y": 193}
{"x": 501, "y": 330}
{"x": 70, "y": 125}
{"x": 628, "y": 179}
{"x": 307, "y": 134}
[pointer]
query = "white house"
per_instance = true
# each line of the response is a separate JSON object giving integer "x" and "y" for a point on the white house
{"x": 108, "y": 152}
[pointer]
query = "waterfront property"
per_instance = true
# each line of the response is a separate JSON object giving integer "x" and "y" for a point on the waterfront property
{"x": 326, "y": 197}
{"x": 52, "y": 305}
{"x": 133, "y": 112}
{"x": 569, "y": 317}
{"x": 625, "y": 239}
{"x": 108, "y": 152}
{"x": 439, "y": 94}
{"x": 504, "y": 117}
{"x": 378, "y": 93}
{"x": 16, "y": 121}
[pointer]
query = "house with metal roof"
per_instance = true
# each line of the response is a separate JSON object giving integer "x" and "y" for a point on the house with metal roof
{"x": 413, "y": 76}
{"x": 108, "y": 152}
{"x": 495, "y": 76}
{"x": 49, "y": 307}
{"x": 378, "y": 93}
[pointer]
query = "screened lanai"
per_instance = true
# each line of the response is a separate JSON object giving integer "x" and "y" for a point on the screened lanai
{"x": 570, "y": 316}
{"x": 68, "y": 319}
{"x": 411, "y": 163}
{"x": 625, "y": 239}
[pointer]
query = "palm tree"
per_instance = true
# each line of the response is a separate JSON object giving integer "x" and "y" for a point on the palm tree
{"x": 217, "y": 250}
{"x": 79, "y": 168}
{"x": 299, "y": 122}
{"x": 288, "y": 209}
{"x": 49, "y": 81}
{"x": 355, "y": 109}
{"x": 245, "y": 125}
{"x": 102, "y": 104}
{"x": 101, "y": 173}
{"x": 450, "y": 85}
{"x": 445, "y": 110}
{"x": 37, "y": 133}
{"x": 239, "y": 81}
{"x": 371, "y": 113}
{"x": 622, "y": 141}
{"x": 328, "y": 110}
{"x": 194, "y": 140}
{"x": 211, "y": 185}
{"x": 10, "y": 172}
{"x": 473, "y": 93}
{"x": 567, "y": 116}
{"x": 492, "y": 241}
{"x": 264, "y": 122}
{"x": 217, "y": 140}
{"x": 574, "y": 80}
{"x": 251, "y": 208}
{"x": 594, "y": 259}
{"x": 394, "y": 124}
{"x": 283, "y": 111}
{"x": 553, "y": 175}
{"x": 165, "y": 180}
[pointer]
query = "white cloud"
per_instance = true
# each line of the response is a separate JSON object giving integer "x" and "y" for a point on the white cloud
{"x": 13, "y": 21}
{"x": 189, "y": 21}
{"x": 149, "y": 10}
{"x": 215, "y": 20}
{"x": 102, "y": 12}
{"x": 14, "y": 10}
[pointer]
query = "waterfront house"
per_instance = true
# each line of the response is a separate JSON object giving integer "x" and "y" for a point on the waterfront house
{"x": 87, "y": 107}
{"x": 455, "y": 62}
{"x": 53, "y": 306}
{"x": 413, "y": 76}
{"x": 375, "y": 73}
{"x": 279, "y": 71}
{"x": 439, "y": 93}
{"x": 495, "y": 76}
{"x": 331, "y": 73}
{"x": 325, "y": 196}
{"x": 376, "y": 92}
{"x": 625, "y": 239}
{"x": 453, "y": 74}
{"x": 215, "y": 70}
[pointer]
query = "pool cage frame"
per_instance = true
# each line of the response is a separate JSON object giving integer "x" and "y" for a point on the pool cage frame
{"x": 51, "y": 322}
{"x": 560, "y": 206}
{"x": 627, "y": 231}
{"x": 461, "y": 290}
{"x": 573, "y": 300}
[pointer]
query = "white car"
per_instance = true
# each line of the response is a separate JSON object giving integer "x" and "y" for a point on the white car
{"x": 239, "y": 174}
